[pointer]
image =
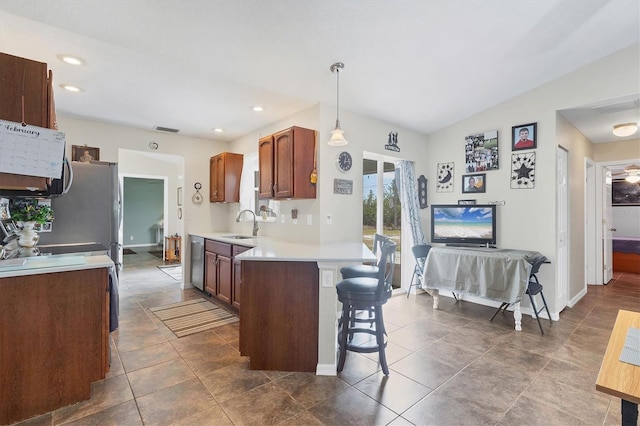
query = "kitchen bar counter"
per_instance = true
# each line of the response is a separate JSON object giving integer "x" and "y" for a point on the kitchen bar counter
{"x": 288, "y": 319}
{"x": 54, "y": 329}
{"x": 55, "y": 263}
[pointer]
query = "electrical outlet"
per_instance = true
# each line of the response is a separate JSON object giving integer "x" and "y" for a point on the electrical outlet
{"x": 295, "y": 221}
{"x": 131, "y": 238}
{"x": 329, "y": 219}
{"x": 282, "y": 218}
{"x": 309, "y": 219}
{"x": 327, "y": 278}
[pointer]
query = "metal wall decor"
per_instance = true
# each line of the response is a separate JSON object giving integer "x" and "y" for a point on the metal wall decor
{"x": 422, "y": 192}
{"x": 392, "y": 142}
{"x": 445, "y": 177}
{"x": 481, "y": 152}
{"x": 523, "y": 170}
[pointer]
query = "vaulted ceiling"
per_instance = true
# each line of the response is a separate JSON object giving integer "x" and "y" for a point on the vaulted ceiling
{"x": 202, "y": 64}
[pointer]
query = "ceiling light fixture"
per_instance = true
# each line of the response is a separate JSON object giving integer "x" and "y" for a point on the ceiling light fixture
{"x": 625, "y": 129}
{"x": 71, "y": 88}
{"x": 633, "y": 174}
{"x": 70, "y": 59}
{"x": 257, "y": 108}
{"x": 337, "y": 134}
{"x": 218, "y": 130}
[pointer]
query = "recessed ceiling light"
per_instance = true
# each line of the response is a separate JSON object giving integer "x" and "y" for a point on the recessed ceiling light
{"x": 218, "y": 130}
{"x": 71, "y": 88}
{"x": 70, "y": 59}
{"x": 257, "y": 108}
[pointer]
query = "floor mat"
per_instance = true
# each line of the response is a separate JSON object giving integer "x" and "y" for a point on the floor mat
{"x": 174, "y": 271}
{"x": 193, "y": 316}
{"x": 128, "y": 251}
{"x": 157, "y": 253}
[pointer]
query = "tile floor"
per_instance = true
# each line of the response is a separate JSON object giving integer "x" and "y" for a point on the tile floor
{"x": 448, "y": 367}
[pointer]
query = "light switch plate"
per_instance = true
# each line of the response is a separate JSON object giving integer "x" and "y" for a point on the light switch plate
{"x": 329, "y": 219}
{"x": 309, "y": 219}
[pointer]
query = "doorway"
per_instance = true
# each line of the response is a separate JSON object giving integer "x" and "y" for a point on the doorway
{"x": 381, "y": 206}
{"x": 602, "y": 237}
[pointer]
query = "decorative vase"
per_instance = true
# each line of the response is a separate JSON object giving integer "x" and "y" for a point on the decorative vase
{"x": 27, "y": 239}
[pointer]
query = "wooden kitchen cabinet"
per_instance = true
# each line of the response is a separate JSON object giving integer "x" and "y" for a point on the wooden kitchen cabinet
{"x": 237, "y": 276}
{"x": 279, "y": 316}
{"x": 222, "y": 272}
{"x": 286, "y": 161}
{"x": 25, "y": 84}
{"x": 224, "y": 177}
{"x": 217, "y": 270}
{"x": 54, "y": 330}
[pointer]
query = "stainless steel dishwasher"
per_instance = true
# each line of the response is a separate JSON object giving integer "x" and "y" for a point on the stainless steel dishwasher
{"x": 197, "y": 261}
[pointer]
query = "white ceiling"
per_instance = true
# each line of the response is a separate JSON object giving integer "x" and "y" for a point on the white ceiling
{"x": 421, "y": 64}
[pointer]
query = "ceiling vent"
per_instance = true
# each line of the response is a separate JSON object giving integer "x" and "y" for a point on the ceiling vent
{"x": 167, "y": 129}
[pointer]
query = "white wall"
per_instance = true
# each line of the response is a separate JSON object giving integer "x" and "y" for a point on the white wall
{"x": 184, "y": 160}
{"x": 527, "y": 220}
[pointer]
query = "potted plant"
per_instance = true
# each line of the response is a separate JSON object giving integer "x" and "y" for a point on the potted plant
{"x": 31, "y": 211}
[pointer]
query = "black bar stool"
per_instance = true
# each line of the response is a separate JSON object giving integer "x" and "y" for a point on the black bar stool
{"x": 361, "y": 270}
{"x": 364, "y": 293}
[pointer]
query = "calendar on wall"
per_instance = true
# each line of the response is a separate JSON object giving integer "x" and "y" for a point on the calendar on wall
{"x": 31, "y": 150}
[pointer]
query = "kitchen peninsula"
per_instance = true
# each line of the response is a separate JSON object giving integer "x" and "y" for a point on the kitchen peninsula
{"x": 289, "y": 306}
{"x": 288, "y": 319}
{"x": 54, "y": 329}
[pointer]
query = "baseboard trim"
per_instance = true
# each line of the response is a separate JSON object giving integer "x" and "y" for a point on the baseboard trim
{"x": 326, "y": 370}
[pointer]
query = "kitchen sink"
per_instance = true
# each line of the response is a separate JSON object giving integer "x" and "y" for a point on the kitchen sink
{"x": 238, "y": 237}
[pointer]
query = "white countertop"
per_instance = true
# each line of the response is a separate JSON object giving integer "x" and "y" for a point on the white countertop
{"x": 58, "y": 263}
{"x": 270, "y": 249}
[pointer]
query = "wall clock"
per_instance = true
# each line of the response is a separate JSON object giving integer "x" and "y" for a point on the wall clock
{"x": 344, "y": 161}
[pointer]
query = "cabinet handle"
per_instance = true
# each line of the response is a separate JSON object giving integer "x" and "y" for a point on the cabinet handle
{"x": 275, "y": 187}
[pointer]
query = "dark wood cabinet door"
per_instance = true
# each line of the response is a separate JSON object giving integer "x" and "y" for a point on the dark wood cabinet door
{"x": 224, "y": 177}
{"x": 224, "y": 279}
{"x": 283, "y": 164}
{"x": 237, "y": 276}
{"x": 216, "y": 179}
{"x": 210, "y": 272}
{"x": 265, "y": 166}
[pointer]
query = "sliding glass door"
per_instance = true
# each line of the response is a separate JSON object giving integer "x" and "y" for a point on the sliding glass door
{"x": 381, "y": 207}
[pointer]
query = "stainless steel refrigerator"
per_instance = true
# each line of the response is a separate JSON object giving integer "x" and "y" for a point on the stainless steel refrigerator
{"x": 89, "y": 214}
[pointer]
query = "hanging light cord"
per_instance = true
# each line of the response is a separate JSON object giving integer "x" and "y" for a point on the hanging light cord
{"x": 338, "y": 98}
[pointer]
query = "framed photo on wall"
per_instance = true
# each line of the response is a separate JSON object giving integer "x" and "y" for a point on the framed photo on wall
{"x": 524, "y": 136}
{"x": 625, "y": 193}
{"x": 473, "y": 183}
{"x": 481, "y": 152}
{"x": 84, "y": 154}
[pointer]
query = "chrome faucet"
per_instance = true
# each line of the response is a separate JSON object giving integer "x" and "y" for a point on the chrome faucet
{"x": 255, "y": 223}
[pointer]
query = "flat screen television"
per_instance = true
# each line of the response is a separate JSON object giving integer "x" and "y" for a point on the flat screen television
{"x": 463, "y": 225}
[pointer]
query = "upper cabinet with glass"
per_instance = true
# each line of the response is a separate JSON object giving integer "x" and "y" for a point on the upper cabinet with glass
{"x": 286, "y": 162}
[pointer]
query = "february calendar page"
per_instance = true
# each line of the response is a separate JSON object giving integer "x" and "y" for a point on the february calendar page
{"x": 31, "y": 150}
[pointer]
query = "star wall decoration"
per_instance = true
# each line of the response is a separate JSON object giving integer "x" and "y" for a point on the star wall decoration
{"x": 445, "y": 177}
{"x": 523, "y": 170}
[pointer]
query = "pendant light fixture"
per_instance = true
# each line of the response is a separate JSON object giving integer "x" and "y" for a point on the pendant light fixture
{"x": 337, "y": 135}
{"x": 626, "y": 129}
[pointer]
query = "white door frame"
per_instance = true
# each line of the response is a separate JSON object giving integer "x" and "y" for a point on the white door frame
{"x": 589, "y": 225}
{"x": 601, "y": 169}
{"x": 562, "y": 228}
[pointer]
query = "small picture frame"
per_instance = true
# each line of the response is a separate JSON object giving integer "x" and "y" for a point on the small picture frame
{"x": 473, "y": 183}
{"x": 466, "y": 202}
{"x": 84, "y": 154}
{"x": 179, "y": 196}
{"x": 9, "y": 228}
{"x": 524, "y": 136}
